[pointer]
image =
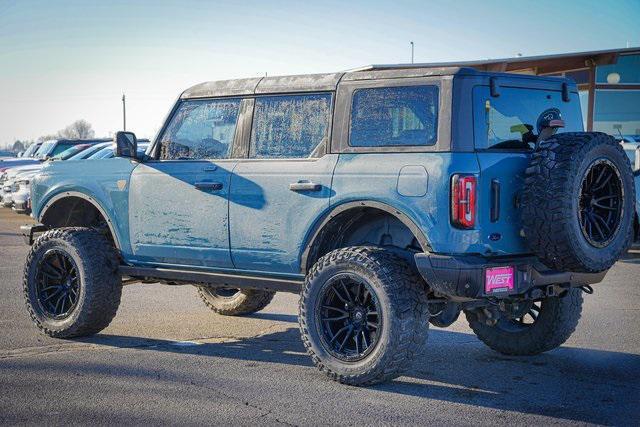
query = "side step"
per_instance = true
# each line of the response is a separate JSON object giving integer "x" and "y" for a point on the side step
{"x": 174, "y": 276}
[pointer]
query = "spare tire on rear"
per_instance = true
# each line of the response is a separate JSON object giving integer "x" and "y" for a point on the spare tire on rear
{"x": 578, "y": 202}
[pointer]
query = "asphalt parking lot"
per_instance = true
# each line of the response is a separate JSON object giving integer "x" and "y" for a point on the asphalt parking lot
{"x": 167, "y": 359}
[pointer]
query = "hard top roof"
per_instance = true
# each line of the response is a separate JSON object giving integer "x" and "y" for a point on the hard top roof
{"x": 310, "y": 82}
{"x": 329, "y": 81}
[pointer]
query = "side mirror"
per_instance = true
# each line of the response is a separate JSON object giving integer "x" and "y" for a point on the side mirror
{"x": 126, "y": 144}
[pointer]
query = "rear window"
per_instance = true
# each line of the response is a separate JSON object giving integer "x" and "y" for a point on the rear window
{"x": 394, "y": 116}
{"x": 503, "y": 121}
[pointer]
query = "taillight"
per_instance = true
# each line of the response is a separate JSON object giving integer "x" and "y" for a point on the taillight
{"x": 463, "y": 201}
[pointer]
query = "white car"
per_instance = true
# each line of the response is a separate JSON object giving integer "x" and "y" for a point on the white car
{"x": 21, "y": 192}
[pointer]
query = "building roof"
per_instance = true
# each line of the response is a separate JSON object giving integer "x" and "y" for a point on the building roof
{"x": 543, "y": 64}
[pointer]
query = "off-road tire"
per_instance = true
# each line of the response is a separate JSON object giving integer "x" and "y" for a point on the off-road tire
{"x": 244, "y": 302}
{"x": 551, "y": 201}
{"x": 100, "y": 282}
{"x": 403, "y": 299}
{"x": 556, "y": 322}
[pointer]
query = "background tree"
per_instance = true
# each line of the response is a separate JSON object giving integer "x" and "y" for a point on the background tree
{"x": 18, "y": 146}
{"x": 80, "y": 129}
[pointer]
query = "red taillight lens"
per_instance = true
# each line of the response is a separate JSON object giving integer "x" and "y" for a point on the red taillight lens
{"x": 463, "y": 201}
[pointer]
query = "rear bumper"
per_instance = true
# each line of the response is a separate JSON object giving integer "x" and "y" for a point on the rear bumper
{"x": 464, "y": 276}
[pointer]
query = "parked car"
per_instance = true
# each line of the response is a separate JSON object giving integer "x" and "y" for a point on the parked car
{"x": 54, "y": 147}
{"x": 108, "y": 152}
{"x": 21, "y": 192}
{"x": 389, "y": 198}
{"x": 28, "y": 157}
{"x": 7, "y": 181}
{"x": 6, "y": 154}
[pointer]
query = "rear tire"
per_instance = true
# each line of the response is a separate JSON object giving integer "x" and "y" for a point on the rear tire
{"x": 235, "y": 302}
{"x": 363, "y": 315}
{"x": 72, "y": 286}
{"x": 556, "y": 321}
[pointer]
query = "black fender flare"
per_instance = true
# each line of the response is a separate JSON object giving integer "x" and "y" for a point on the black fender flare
{"x": 65, "y": 194}
{"x": 343, "y": 207}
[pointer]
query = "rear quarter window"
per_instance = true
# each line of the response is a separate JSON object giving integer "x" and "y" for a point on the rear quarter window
{"x": 394, "y": 116}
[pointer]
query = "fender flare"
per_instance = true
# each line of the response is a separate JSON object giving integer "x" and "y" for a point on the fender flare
{"x": 64, "y": 194}
{"x": 343, "y": 207}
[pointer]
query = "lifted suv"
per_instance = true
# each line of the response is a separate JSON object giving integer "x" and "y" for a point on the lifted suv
{"x": 388, "y": 198}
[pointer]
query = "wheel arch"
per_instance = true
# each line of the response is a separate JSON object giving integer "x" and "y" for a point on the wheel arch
{"x": 54, "y": 207}
{"x": 315, "y": 236}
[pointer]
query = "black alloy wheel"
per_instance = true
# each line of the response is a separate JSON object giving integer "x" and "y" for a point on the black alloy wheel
{"x": 58, "y": 284}
{"x": 601, "y": 203}
{"x": 226, "y": 292}
{"x": 522, "y": 320}
{"x": 350, "y": 316}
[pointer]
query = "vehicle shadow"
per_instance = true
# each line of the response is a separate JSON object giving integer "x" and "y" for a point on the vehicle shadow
{"x": 577, "y": 384}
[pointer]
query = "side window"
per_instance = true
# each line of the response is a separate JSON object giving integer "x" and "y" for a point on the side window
{"x": 289, "y": 126}
{"x": 394, "y": 116}
{"x": 201, "y": 129}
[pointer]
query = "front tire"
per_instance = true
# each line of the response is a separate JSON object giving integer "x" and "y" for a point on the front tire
{"x": 363, "y": 315}
{"x": 71, "y": 283}
{"x": 555, "y": 320}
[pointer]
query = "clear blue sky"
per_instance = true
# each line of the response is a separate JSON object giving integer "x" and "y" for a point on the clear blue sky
{"x": 65, "y": 60}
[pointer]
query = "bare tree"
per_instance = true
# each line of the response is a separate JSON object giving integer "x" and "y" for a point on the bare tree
{"x": 80, "y": 129}
{"x": 18, "y": 146}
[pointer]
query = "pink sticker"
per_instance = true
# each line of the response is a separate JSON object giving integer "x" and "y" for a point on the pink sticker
{"x": 498, "y": 279}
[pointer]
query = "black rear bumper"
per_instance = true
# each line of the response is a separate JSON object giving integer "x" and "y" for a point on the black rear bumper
{"x": 464, "y": 276}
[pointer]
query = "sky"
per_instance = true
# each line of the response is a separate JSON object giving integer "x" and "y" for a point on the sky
{"x": 66, "y": 60}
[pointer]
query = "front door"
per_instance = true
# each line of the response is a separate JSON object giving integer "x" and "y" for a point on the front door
{"x": 179, "y": 202}
{"x": 284, "y": 185}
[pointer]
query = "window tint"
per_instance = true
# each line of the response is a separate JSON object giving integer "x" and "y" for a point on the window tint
{"x": 201, "y": 130}
{"x": 510, "y": 119}
{"x": 289, "y": 126}
{"x": 392, "y": 116}
{"x": 60, "y": 148}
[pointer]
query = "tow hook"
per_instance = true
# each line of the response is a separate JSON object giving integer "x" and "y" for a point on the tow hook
{"x": 587, "y": 289}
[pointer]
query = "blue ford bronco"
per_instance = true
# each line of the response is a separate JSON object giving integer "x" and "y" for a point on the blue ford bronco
{"x": 388, "y": 198}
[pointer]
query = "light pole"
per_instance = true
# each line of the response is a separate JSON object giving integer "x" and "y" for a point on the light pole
{"x": 411, "y": 43}
{"x": 124, "y": 112}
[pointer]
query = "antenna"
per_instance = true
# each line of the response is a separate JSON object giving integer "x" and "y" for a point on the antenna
{"x": 124, "y": 112}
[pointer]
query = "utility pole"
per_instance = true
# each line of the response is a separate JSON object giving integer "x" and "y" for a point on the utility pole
{"x": 124, "y": 112}
{"x": 411, "y": 51}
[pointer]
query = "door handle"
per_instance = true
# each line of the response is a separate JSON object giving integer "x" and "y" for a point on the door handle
{"x": 304, "y": 186}
{"x": 213, "y": 186}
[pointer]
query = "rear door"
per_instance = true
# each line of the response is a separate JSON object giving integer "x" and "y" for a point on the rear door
{"x": 285, "y": 183}
{"x": 179, "y": 202}
{"x": 500, "y": 125}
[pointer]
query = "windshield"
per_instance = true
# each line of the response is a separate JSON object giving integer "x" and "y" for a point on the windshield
{"x": 30, "y": 150}
{"x": 107, "y": 152}
{"x": 71, "y": 151}
{"x": 85, "y": 154}
{"x": 45, "y": 149}
{"x": 509, "y": 120}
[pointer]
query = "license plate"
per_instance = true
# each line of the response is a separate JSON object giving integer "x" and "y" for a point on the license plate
{"x": 499, "y": 279}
